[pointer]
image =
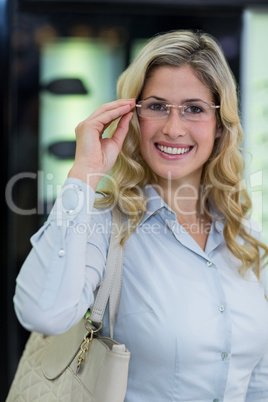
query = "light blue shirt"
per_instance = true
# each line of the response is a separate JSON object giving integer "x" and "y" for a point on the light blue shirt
{"x": 197, "y": 330}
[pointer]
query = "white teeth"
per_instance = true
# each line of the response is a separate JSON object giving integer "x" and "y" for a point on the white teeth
{"x": 173, "y": 151}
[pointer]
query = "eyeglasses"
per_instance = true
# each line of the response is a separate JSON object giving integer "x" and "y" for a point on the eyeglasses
{"x": 152, "y": 109}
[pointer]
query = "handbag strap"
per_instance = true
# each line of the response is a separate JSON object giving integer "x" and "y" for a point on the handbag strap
{"x": 110, "y": 288}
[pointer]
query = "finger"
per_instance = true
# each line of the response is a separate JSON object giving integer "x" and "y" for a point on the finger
{"x": 107, "y": 107}
{"x": 106, "y": 118}
{"x": 122, "y": 129}
{"x": 101, "y": 122}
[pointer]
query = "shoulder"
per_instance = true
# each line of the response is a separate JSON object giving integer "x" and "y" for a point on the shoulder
{"x": 106, "y": 218}
{"x": 100, "y": 218}
{"x": 252, "y": 228}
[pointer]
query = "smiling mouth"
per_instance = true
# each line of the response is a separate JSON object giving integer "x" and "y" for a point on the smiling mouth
{"x": 173, "y": 151}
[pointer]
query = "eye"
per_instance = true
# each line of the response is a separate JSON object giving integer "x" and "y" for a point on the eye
{"x": 157, "y": 107}
{"x": 194, "y": 109}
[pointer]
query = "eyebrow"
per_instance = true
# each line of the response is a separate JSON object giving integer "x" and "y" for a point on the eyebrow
{"x": 156, "y": 97}
{"x": 183, "y": 101}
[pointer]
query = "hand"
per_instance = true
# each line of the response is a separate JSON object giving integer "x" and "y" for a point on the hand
{"x": 95, "y": 155}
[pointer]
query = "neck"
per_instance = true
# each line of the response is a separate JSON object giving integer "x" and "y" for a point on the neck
{"x": 182, "y": 197}
{"x": 185, "y": 201}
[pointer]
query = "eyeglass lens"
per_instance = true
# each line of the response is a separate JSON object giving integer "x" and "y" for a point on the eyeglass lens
{"x": 196, "y": 111}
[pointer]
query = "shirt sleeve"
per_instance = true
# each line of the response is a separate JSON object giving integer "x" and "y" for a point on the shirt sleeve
{"x": 258, "y": 385}
{"x": 56, "y": 284}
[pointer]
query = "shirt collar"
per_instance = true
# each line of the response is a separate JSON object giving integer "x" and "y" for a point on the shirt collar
{"x": 218, "y": 219}
{"x": 155, "y": 204}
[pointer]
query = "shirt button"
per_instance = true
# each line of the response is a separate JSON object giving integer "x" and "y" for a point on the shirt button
{"x": 224, "y": 355}
{"x": 221, "y": 308}
{"x": 76, "y": 187}
{"x": 209, "y": 263}
{"x": 61, "y": 252}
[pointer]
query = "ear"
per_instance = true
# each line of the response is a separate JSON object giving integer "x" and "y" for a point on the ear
{"x": 218, "y": 131}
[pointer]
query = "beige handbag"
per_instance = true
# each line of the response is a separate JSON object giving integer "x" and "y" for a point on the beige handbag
{"x": 79, "y": 365}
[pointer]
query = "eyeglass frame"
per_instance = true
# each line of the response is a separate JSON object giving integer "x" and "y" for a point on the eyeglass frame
{"x": 169, "y": 106}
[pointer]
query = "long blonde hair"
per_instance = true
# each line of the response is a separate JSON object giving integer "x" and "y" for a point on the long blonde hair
{"x": 222, "y": 173}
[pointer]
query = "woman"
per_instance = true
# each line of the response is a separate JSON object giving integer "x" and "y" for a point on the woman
{"x": 193, "y": 310}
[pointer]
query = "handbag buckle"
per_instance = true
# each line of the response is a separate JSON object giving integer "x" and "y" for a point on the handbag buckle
{"x": 89, "y": 325}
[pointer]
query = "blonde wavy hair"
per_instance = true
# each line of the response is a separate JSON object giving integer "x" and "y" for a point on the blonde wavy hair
{"x": 222, "y": 174}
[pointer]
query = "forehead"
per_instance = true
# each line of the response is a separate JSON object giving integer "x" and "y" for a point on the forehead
{"x": 176, "y": 84}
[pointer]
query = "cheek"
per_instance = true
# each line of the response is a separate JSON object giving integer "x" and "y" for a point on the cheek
{"x": 148, "y": 129}
{"x": 146, "y": 140}
{"x": 145, "y": 134}
{"x": 207, "y": 133}
{"x": 144, "y": 127}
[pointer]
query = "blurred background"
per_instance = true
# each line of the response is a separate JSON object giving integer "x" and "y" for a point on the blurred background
{"x": 60, "y": 60}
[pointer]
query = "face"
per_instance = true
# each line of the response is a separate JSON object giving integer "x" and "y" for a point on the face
{"x": 161, "y": 139}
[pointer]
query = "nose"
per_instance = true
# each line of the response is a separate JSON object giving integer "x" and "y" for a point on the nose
{"x": 174, "y": 125}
